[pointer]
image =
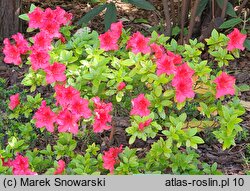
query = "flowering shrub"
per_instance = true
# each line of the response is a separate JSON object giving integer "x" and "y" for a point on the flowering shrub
{"x": 169, "y": 91}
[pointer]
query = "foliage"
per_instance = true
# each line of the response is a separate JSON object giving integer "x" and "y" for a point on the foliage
{"x": 111, "y": 11}
{"x": 162, "y": 108}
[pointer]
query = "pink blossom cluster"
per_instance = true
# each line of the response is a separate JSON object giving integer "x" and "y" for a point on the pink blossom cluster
{"x": 49, "y": 22}
{"x": 183, "y": 83}
{"x": 144, "y": 124}
{"x": 20, "y": 165}
{"x": 236, "y": 40}
{"x": 110, "y": 158}
{"x": 60, "y": 168}
{"x": 14, "y": 101}
{"x": 140, "y": 106}
{"x": 224, "y": 85}
{"x": 109, "y": 40}
{"x": 102, "y": 116}
{"x": 13, "y": 52}
{"x": 73, "y": 109}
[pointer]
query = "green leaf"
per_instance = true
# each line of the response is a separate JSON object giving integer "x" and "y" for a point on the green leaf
{"x": 176, "y": 30}
{"x": 119, "y": 96}
{"x": 91, "y": 14}
{"x": 132, "y": 139}
{"x": 230, "y": 10}
{"x": 158, "y": 91}
{"x": 197, "y": 140}
{"x": 110, "y": 15}
{"x": 32, "y": 7}
{"x": 24, "y": 17}
{"x": 247, "y": 44}
{"x": 201, "y": 7}
{"x": 141, "y": 4}
{"x": 231, "y": 23}
{"x": 244, "y": 88}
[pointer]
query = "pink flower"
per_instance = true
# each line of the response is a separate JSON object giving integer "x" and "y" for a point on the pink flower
{"x": 138, "y": 43}
{"x": 110, "y": 158}
{"x": 165, "y": 65}
{"x": 67, "y": 122}
{"x": 116, "y": 29}
{"x": 183, "y": 87}
{"x": 66, "y": 96}
{"x": 236, "y": 40}
{"x": 102, "y": 116}
{"x": 50, "y": 15}
{"x": 21, "y": 43}
{"x": 183, "y": 71}
{"x": 21, "y": 166}
{"x": 60, "y": 168}
{"x": 108, "y": 41}
{"x": 8, "y": 163}
{"x": 140, "y": 106}
{"x": 175, "y": 57}
{"x": 79, "y": 107}
{"x": 121, "y": 86}
{"x": 14, "y": 101}
{"x": 11, "y": 52}
{"x": 45, "y": 117}
{"x": 39, "y": 59}
{"x": 51, "y": 28}
{"x": 42, "y": 41}
{"x": 36, "y": 18}
{"x": 55, "y": 73}
{"x": 158, "y": 50}
{"x": 144, "y": 124}
{"x": 224, "y": 85}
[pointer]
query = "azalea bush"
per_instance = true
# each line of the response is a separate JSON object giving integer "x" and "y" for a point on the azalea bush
{"x": 170, "y": 93}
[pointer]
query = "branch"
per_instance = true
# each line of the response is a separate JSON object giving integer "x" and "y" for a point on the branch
{"x": 192, "y": 19}
{"x": 224, "y": 8}
{"x": 167, "y": 17}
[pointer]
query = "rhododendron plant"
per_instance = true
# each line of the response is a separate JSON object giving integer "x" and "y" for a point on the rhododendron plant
{"x": 224, "y": 85}
{"x": 109, "y": 40}
{"x": 67, "y": 122}
{"x": 39, "y": 59}
{"x": 110, "y": 158}
{"x": 165, "y": 65}
{"x": 20, "y": 166}
{"x": 236, "y": 40}
{"x": 87, "y": 90}
{"x": 140, "y": 106}
{"x": 138, "y": 43}
{"x": 14, "y": 101}
{"x": 60, "y": 167}
{"x": 121, "y": 86}
{"x": 21, "y": 43}
{"x": 102, "y": 115}
{"x": 35, "y": 18}
{"x": 66, "y": 95}
{"x": 11, "y": 52}
{"x": 55, "y": 73}
{"x": 144, "y": 124}
{"x": 79, "y": 107}
{"x": 157, "y": 50}
{"x": 42, "y": 41}
{"x": 45, "y": 117}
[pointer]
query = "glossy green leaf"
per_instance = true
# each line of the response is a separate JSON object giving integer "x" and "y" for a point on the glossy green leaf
{"x": 91, "y": 14}
{"x": 110, "y": 15}
{"x": 141, "y": 4}
{"x": 231, "y": 23}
